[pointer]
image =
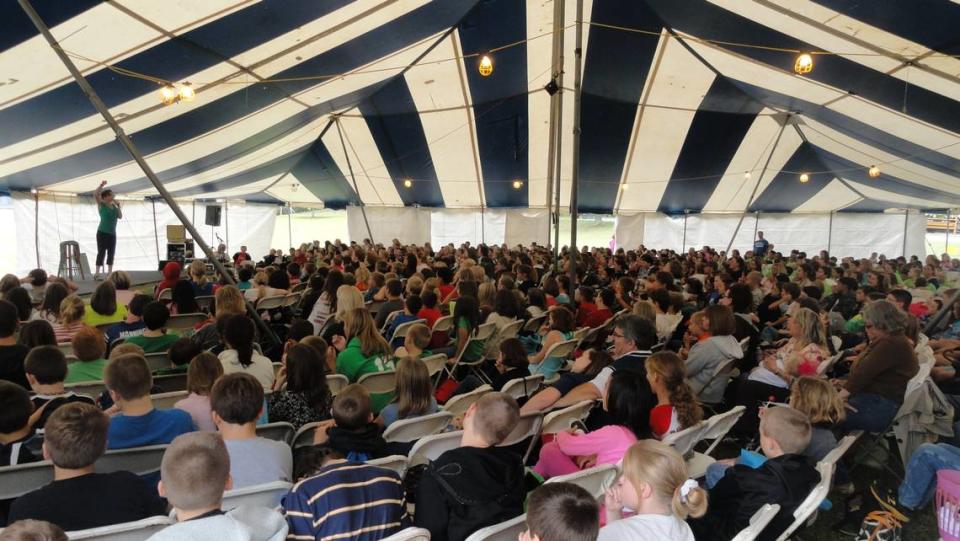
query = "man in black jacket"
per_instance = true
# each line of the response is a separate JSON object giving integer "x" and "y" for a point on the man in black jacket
{"x": 478, "y": 484}
{"x": 843, "y": 300}
{"x": 785, "y": 478}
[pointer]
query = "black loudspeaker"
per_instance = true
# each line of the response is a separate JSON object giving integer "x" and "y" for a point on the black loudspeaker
{"x": 213, "y": 215}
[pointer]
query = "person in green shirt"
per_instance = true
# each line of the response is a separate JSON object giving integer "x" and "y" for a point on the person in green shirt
{"x": 110, "y": 212}
{"x": 363, "y": 351}
{"x": 104, "y": 307}
{"x": 467, "y": 318}
{"x": 155, "y": 339}
{"x": 89, "y": 347}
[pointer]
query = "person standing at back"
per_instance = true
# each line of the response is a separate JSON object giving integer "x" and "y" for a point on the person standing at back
{"x": 760, "y": 245}
{"x": 109, "y": 210}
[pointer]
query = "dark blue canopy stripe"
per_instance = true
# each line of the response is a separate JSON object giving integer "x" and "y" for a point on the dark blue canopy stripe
{"x": 931, "y": 23}
{"x": 501, "y": 119}
{"x": 17, "y": 27}
{"x": 318, "y": 172}
{"x": 707, "y": 21}
{"x": 272, "y": 168}
{"x": 786, "y": 192}
{"x": 716, "y": 133}
{"x": 377, "y": 43}
{"x": 615, "y": 70}
{"x": 395, "y": 126}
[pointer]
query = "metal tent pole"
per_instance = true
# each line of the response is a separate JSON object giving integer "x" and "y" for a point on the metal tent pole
{"x": 36, "y": 226}
{"x": 137, "y": 157}
{"x": 575, "y": 173}
{"x": 683, "y": 243}
{"x": 946, "y": 249}
{"x": 830, "y": 234}
{"x": 757, "y": 185}
{"x": 906, "y": 222}
{"x": 156, "y": 232}
{"x": 556, "y": 101}
{"x": 353, "y": 178}
{"x": 289, "y": 225}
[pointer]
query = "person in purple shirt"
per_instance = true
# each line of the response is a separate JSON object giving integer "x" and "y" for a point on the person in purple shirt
{"x": 128, "y": 381}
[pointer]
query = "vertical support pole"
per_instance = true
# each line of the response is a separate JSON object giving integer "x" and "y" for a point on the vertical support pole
{"x": 36, "y": 226}
{"x": 756, "y": 225}
{"x": 127, "y": 143}
{"x": 156, "y": 232}
{"x": 906, "y": 221}
{"x": 683, "y": 243}
{"x": 289, "y": 225}
{"x": 555, "y": 129}
{"x": 950, "y": 226}
{"x": 226, "y": 221}
{"x": 575, "y": 174}
{"x": 830, "y": 234}
{"x": 363, "y": 209}
{"x": 757, "y": 185}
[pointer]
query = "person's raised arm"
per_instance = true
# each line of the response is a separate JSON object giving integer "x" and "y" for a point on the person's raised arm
{"x": 97, "y": 194}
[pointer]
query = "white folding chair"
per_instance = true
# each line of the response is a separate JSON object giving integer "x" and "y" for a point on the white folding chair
{"x": 431, "y": 447}
{"x": 837, "y": 342}
{"x": 379, "y": 382}
{"x": 409, "y": 534}
{"x": 277, "y": 431}
{"x": 407, "y": 430}
{"x": 826, "y": 365}
{"x": 139, "y": 460}
{"x": 164, "y": 401}
{"x": 304, "y": 436}
{"x": 745, "y": 345}
{"x": 522, "y": 387}
{"x": 139, "y": 530}
{"x": 561, "y": 349}
{"x": 435, "y": 363}
{"x": 92, "y": 389}
{"x": 165, "y": 295}
{"x": 170, "y": 382}
{"x": 559, "y": 420}
{"x": 533, "y": 324}
{"x": 403, "y": 328}
{"x": 684, "y": 440}
{"x": 66, "y": 349}
{"x": 510, "y": 330}
{"x": 157, "y": 361}
{"x": 291, "y": 300}
{"x": 758, "y": 522}
{"x": 580, "y": 334}
{"x": 842, "y": 447}
{"x": 300, "y": 288}
{"x": 265, "y": 495}
{"x": 458, "y": 405}
{"x": 442, "y": 324}
{"x": 206, "y": 302}
{"x": 505, "y": 531}
{"x": 270, "y": 303}
{"x": 723, "y": 370}
{"x": 715, "y": 429}
{"x": 528, "y": 426}
{"x": 185, "y": 321}
{"x": 591, "y": 336}
{"x": 15, "y": 481}
{"x": 595, "y": 480}
{"x": 808, "y": 507}
{"x": 374, "y": 307}
{"x": 397, "y": 463}
{"x": 481, "y": 335}
{"x": 336, "y": 383}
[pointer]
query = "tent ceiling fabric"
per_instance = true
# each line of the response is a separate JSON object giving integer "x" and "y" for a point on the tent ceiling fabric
{"x": 673, "y": 117}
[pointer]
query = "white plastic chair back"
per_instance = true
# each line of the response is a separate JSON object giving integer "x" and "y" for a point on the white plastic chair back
{"x": 505, "y": 531}
{"x": 837, "y": 342}
{"x": 510, "y": 330}
{"x": 826, "y": 365}
{"x": 431, "y": 447}
{"x": 379, "y": 382}
{"x": 299, "y": 288}
{"x": 336, "y": 383}
{"x": 292, "y": 299}
{"x": 443, "y": 324}
{"x": 15, "y": 481}
{"x": 580, "y": 333}
{"x": 559, "y": 421}
{"x": 66, "y": 349}
{"x": 403, "y": 328}
{"x": 591, "y": 335}
{"x": 533, "y": 324}
{"x": 745, "y": 345}
{"x": 485, "y": 331}
{"x": 435, "y": 363}
{"x": 270, "y": 303}
{"x": 561, "y": 349}
{"x": 684, "y": 440}
{"x": 811, "y": 503}
{"x": 594, "y": 480}
{"x": 89, "y": 388}
{"x": 718, "y": 425}
{"x": 397, "y": 463}
{"x": 139, "y": 460}
{"x": 527, "y": 426}
{"x": 128, "y": 531}
{"x": 374, "y": 307}
{"x": 409, "y": 534}
{"x": 206, "y": 302}
{"x": 157, "y": 361}
{"x": 266, "y": 495}
{"x": 165, "y": 401}
{"x": 277, "y": 431}
{"x": 185, "y": 321}
{"x": 522, "y": 387}
{"x": 165, "y": 295}
{"x": 841, "y": 449}
{"x": 170, "y": 382}
{"x": 304, "y": 436}
{"x": 459, "y": 404}
{"x": 758, "y": 522}
{"x": 407, "y": 430}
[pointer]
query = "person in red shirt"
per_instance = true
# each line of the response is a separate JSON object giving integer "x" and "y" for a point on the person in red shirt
{"x": 446, "y": 288}
{"x": 429, "y": 311}
{"x": 598, "y": 317}
{"x": 585, "y": 303}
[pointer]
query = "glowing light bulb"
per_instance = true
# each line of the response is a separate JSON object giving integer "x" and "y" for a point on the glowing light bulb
{"x": 407, "y": 183}
{"x": 624, "y": 187}
{"x": 485, "y": 67}
{"x": 874, "y": 171}
{"x": 33, "y": 191}
{"x": 804, "y": 178}
{"x": 186, "y": 92}
{"x": 168, "y": 94}
{"x": 517, "y": 184}
{"x": 747, "y": 176}
{"x": 804, "y": 64}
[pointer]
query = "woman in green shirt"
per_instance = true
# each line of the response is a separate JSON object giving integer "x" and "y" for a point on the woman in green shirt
{"x": 363, "y": 351}
{"x": 110, "y": 212}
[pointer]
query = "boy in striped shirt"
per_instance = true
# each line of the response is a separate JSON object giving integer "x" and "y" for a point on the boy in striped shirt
{"x": 345, "y": 499}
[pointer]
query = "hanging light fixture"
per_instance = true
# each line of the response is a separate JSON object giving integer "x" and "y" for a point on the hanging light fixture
{"x": 873, "y": 172}
{"x": 294, "y": 186}
{"x": 407, "y": 183}
{"x": 804, "y": 178}
{"x": 747, "y": 176}
{"x": 804, "y": 64}
{"x": 624, "y": 187}
{"x": 186, "y": 92}
{"x": 168, "y": 94}
{"x": 485, "y": 66}
{"x": 517, "y": 184}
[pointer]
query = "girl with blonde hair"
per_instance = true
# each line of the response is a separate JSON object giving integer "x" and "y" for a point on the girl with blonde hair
{"x": 677, "y": 407}
{"x": 821, "y": 403}
{"x": 348, "y": 298}
{"x": 414, "y": 394}
{"x": 198, "y": 278}
{"x": 656, "y": 485}
{"x": 645, "y": 310}
{"x": 362, "y": 350}
{"x": 70, "y": 321}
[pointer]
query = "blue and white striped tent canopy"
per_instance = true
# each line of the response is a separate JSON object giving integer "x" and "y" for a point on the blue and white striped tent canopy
{"x": 681, "y": 99}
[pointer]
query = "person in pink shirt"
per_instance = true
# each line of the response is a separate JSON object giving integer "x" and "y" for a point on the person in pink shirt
{"x": 574, "y": 450}
{"x": 203, "y": 372}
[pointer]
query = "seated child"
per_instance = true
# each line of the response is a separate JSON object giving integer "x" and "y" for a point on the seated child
{"x": 561, "y": 512}
{"x": 90, "y": 348}
{"x": 11, "y": 353}
{"x": 193, "y": 476}
{"x": 415, "y": 344}
{"x": 429, "y": 312}
{"x": 46, "y": 369}
{"x": 477, "y": 484}
{"x": 511, "y": 364}
{"x": 413, "y": 396}
{"x": 677, "y": 407}
{"x": 33, "y": 530}
{"x": 352, "y": 433}
{"x": 128, "y": 382}
{"x": 237, "y": 403}
{"x": 786, "y": 478}
{"x": 820, "y": 402}
{"x": 155, "y": 339}
{"x": 18, "y": 444}
{"x": 181, "y": 352}
{"x": 78, "y": 498}
{"x": 655, "y": 485}
{"x": 411, "y": 307}
{"x": 133, "y": 324}
{"x": 203, "y": 372}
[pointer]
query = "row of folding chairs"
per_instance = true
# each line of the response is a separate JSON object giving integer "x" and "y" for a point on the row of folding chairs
{"x": 274, "y": 302}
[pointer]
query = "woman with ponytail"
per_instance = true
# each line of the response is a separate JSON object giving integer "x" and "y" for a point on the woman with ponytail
{"x": 238, "y": 354}
{"x": 677, "y": 407}
{"x": 655, "y": 485}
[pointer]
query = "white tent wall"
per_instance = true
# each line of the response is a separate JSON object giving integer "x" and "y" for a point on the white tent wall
{"x": 859, "y": 235}
{"x": 629, "y": 230}
{"x": 458, "y": 226}
{"x": 526, "y": 226}
{"x": 410, "y": 225}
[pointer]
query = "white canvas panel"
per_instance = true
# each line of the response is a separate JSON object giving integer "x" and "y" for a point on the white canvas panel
{"x": 716, "y": 230}
{"x": 786, "y": 232}
{"x": 410, "y": 225}
{"x": 860, "y": 234}
{"x": 526, "y": 226}
{"x": 461, "y": 225}
{"x": 629, "y": 230}
{"x": 662, "y": 231}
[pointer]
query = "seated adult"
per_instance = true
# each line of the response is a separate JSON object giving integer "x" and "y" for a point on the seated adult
{"x": 239, "y": 354}
{"x": 714, "y": 347}
{"x": 301, "y": 394}
{"x": 227, "y": 301}
{"x": 668, "y": 319}
{"x": 606, "y": 302}
{"x": 633, "y": 337}
{"x": 103, "y": 306}
{"x": 878, "y": 380}
{"x": 12, "y": 354}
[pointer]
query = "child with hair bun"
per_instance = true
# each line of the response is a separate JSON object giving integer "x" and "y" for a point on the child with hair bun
{"x": 677, "y": 407}
{"x": 655, "y": 484}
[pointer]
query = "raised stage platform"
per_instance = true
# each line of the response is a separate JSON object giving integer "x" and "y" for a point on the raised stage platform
{"x": 138, "y": 278}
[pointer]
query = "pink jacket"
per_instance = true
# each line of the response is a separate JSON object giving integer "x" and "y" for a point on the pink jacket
{"x": 609, "y": 443}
